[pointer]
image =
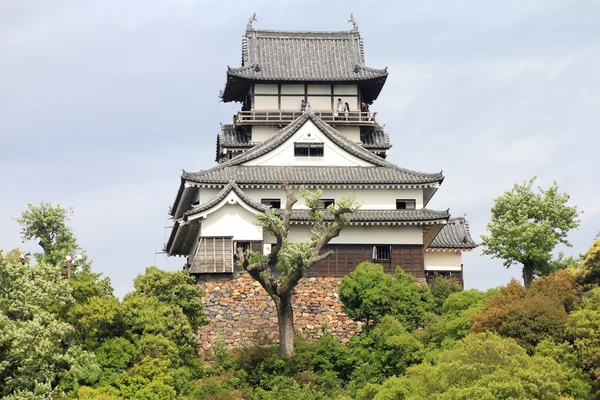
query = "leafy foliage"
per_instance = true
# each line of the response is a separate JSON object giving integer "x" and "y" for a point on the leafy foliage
{"x": 176, "y": 288}
{"x": 369, "y": 294}
{"x": 72, "y": 338}
{"x": 482, "y": 366}
{"x": 442, "y": 287}
{"x": 584, "y": 331}
{"x": 591, "y": 264}
{"x": 526, "y": 226}
{"x": 36, "y": 354}
{"x": 527, "y": 316}
{"x": 48, "y": 224}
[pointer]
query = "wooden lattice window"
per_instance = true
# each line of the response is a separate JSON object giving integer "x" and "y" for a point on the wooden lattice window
{"x": 213, "y": 255}
{"x": 382, "y": 252}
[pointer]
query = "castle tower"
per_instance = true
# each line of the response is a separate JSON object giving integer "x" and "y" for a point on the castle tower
{"x": 304, "y": 120}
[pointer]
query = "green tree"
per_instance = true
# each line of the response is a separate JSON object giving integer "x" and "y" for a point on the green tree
{"x": 442, "y": 287}
{"x": 280, "y": 271}
{"x": 577, "y": 384}
{"x": 526, "y": 316}
{"x": 96, "y": 320}
{"x": 48, "y": 225}
{"x": 584, "y": 331}
{"x": 591, "y": 264}
{"x": 526, "y": 226}
{"x": 37, "y": 355}
{"x": 455, "y": 322}
{"x": 177, "y": 288}
{"x": 147, "y": 315}
{"x": 386, "y": 350}
{"x": 368, "y": 294}
{"x": 482, "y": 366}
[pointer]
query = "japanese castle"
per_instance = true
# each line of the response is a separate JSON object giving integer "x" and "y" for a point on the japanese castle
{"x": 294, "y": 128}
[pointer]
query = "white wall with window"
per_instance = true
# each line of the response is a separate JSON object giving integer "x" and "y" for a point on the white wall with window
{"x": 309, "y": 133}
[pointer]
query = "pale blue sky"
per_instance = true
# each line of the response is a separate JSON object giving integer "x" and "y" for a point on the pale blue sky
{"x": 103, "y": 103}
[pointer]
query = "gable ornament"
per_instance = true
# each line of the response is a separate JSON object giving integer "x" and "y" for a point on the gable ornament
{"x": 250, "y": 20}
{"x": 353, "y": 21}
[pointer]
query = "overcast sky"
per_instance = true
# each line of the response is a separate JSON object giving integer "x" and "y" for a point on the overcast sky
{"x": 102, "y": 103}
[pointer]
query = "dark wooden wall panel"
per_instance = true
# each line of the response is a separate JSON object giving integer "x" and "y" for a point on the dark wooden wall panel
{"x": 346, "y": 257}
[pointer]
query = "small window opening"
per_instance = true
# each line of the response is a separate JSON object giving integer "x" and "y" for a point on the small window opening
{"x": 308, "y": 149}
{"x": 382, "y": 253}
{"x": 273, "y": 203}
{"x": 403, "y": 204}
{"x": 245, "y": 246}
{"x": 324, "y": 203}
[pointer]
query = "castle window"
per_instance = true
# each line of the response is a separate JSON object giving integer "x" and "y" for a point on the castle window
{"x": 273, "y": 203}
{"x": 308, "y": 149}
{"x": 382, "y": 252}
{"x": 403, "y": 204}
{"x": 324, "y": 203}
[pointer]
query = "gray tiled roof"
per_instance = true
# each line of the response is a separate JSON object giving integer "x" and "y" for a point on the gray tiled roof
{"x": 304, "y": 56}
{"x": 354, "y": 173}
{"x": 375, "y": 138}
{"x": 422, "y": 215}
{"x": 231, "y": 137}
{"x": 454, "y": 235}
{"x": 301, "y": 175}
{"x": 231, "y": 186}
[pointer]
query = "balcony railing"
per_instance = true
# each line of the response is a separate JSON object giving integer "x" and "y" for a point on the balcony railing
{"x": 282, "y": 117}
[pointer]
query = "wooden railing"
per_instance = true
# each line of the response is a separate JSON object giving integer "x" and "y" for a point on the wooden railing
{"x": 282, "y": 117}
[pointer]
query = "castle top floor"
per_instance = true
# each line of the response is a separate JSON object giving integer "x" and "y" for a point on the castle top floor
{"x": 285, "y": 67}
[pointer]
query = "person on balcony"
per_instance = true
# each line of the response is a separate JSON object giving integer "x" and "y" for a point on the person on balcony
{"x": 346, "y": 109}
{"x": 364, "y": 111}
{"x": 303, "y": 105}
{"x": 339, "y": 108}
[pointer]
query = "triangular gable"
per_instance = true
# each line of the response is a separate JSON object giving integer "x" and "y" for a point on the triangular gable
{"x": 310, "y": 134}
{"x": 289, "y": 131}
{"x": 231, "y": 194}
{"x": 334, "y": 136}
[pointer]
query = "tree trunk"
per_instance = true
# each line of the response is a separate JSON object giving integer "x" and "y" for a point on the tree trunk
{"x": 527, "y": 273}
{"x": 285, "y": 318}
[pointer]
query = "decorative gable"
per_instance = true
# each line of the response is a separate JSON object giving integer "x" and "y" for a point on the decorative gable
{"x": 309, "y": 146}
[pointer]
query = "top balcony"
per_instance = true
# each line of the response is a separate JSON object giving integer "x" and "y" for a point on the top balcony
{"x": 284, "y": 117}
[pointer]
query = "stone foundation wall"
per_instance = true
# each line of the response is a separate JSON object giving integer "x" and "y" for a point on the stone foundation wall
{"x": 242, "y": 313}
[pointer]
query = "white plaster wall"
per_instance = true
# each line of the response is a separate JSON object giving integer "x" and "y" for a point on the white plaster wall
{"x": 192, "y": 252}
{"x": 291, "y": 102}
{"x": 361, "y": 234}
{"x": 262, "y": 133}
{"x": 266, "y": 102}
{"x": 350, "y": 132}
{"x": 292, "y": 89}
{"x": 442, "y": 261}
{"x": 351, "y": 100}
{"x": 284, "y": 154}
{"x": 344, "y": 89}
{"x": 371, "y": 199}
{"x": 207, "y": 194}
{"x": 319, "y": 102}
{"x": 231, "y": 220}
{"x": 318, "y": 89}
{"x": 266, "y": 88}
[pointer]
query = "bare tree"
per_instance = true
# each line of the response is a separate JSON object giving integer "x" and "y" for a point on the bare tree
{"x": 292, "y": 260}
